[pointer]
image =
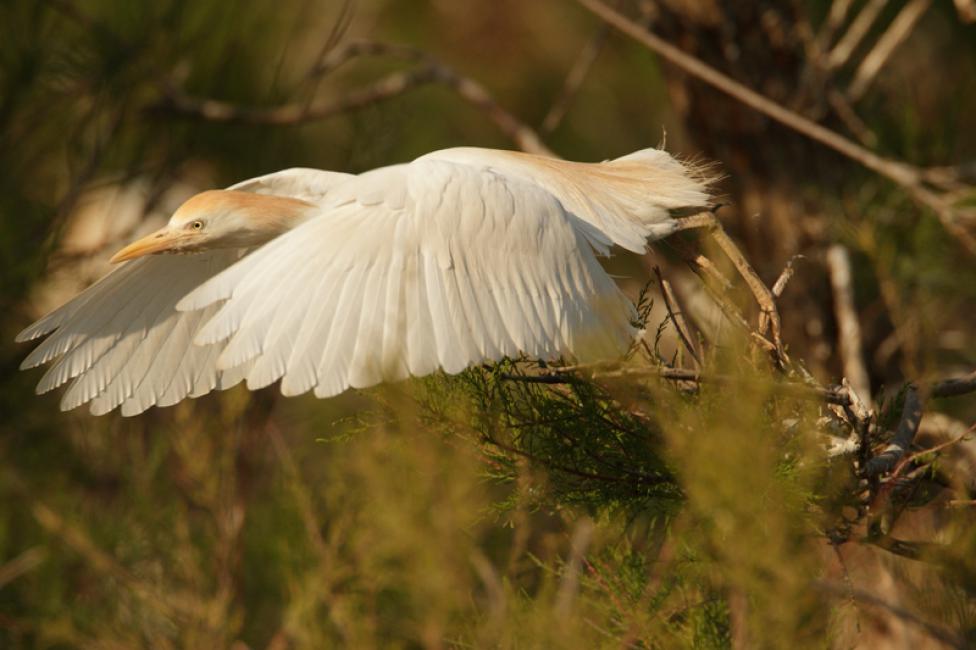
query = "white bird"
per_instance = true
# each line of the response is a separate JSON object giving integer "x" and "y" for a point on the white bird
{"x": 328, "y": 281}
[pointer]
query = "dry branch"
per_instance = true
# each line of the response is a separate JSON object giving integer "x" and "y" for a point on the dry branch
{"x": 175, "y": 102}
{"x": 785, "y": 276}
{"x": 574, "y": 80}
{"x": 966, "y": 10}
{"x": 954, "y": 387}
{"x": 896, "y": 33}
{"x": 677, "y": 317}
{"x": 835, "y": 18}
{"x": 855, "y": 34}
{"x": 213, "y": 110}
{"x": 903, "y": 174}
{"x": 762, "y": 294}
{"x": 911, "y": 417}
{"x": 849, "y": 329}
{"x": 568, "y": 375}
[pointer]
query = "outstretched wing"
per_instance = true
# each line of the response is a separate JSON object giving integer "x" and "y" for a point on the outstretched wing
{"x": 121, "y": 342}
{"x": 416, "y": 267}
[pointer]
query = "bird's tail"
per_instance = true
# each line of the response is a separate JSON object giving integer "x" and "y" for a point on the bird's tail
{"x": 634, "y": 198}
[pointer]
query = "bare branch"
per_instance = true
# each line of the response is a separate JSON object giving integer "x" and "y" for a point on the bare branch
{"x": 569, "y": 584}
{"x": 849, "y": 335}
{"x": 966, "y": 10}
{"x": 786, "y": 275}
{"x": 855, "y": 34}
{"x": 846, "y": 113}
{"x": 562, "y": 376}
{"x": 907, "y": 176}
{"x": 213, "y": 110}
{"x": 911, "y": 416}
{"x": 762, "y": 294}
{"x": 574, "y": 80}
{"x": 675, "y": 313}
{"x": 182, "y": 105}
{"x": 835, "y": 18}
{"x": 22, "y": 564}
{"x": 896, "y": 33}
{"x": 955, "y": 386}
{"x": 341, "y": 55}
{"x": 475, "y": 94}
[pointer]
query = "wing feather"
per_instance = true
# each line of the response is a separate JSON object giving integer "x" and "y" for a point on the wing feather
{"x": 341, "y": 336}
{"x": 121, "y": 342}
{"x": 422, "y": 341}
{"x": 309, "y": 346}
{"x": 461, "y": 265}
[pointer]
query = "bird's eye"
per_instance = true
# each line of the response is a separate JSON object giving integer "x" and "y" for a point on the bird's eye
{"x": 197, "y": 225}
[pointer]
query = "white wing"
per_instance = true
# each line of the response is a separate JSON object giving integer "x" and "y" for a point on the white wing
{"x": 123, "y": 343}
{"x": 442, "y": 263}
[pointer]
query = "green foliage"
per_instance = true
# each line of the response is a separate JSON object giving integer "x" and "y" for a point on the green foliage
{"x": 485, "y": 509}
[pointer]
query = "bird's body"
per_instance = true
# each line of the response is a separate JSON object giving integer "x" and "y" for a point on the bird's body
{"x": 328, "y": 281}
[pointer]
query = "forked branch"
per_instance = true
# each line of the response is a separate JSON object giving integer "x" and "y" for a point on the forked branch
{"x": 909, "y": 177}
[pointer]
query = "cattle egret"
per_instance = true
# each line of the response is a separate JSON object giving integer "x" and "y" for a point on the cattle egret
{"x": 328, "y": 281}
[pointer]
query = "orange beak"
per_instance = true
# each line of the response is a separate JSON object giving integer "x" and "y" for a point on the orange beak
{"x": 161, "y": 241}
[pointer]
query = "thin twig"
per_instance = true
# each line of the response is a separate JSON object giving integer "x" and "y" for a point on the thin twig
{"x": 939, "y": 447}
{"x": 341, "y": 55}
{"x": 899, "y": 172}
{"x": 762, "y": 294}
{"x": 574, "y": 80}
{"x": 966, "y": 10}
{"x": 835, "y": 18}
{"x": 849, "y": 330}
{"x": 855, "y": 34}
{"x": 212, "y": 110}
{"x": 475, "y": 94}
{"x": 896, "y": 33}
{"x": 778, "y": 287}
{"x": 714, "y": 282}
{"x": 393, "y": 85}
{"x": 846, "y": 113}
{"x": 795, "y": 389}
{"x": 339, "y": 28}
{"x": 569, "y": 584}
{"x": 677, "y": 318}
{"x": 786, "y": 275}
{"x": 23, "y": 563}
{"x": 707, "y": 273}
{"x": 911, "y": 417}
{"x": 955, "y": 386}
{"x": 903, "y": 174}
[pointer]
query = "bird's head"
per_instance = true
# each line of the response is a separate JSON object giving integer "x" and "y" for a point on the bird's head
{"x": 220, "y": 219}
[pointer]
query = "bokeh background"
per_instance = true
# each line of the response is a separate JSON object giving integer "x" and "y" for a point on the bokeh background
{"x": 429, "y": 514}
